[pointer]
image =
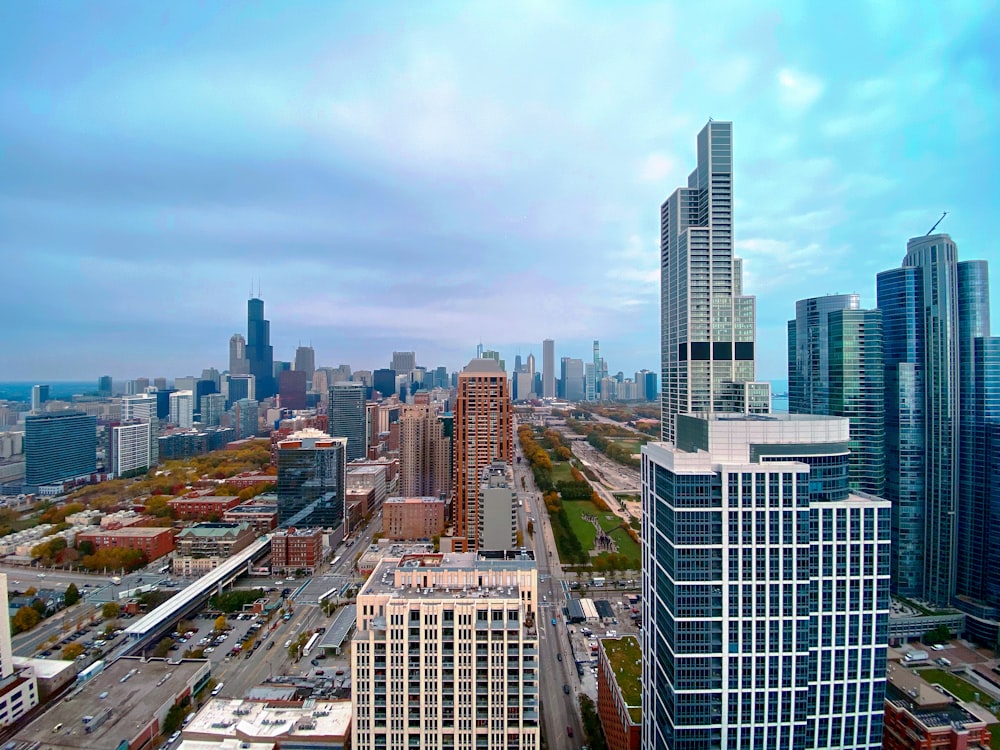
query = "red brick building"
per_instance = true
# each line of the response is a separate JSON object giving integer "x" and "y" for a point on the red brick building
{"x": 413, "y": 517}
{"x": 251, "y": 479}
{"x": 295, "y": 549}
{"x": 619, "y": 691}
{"x": 261, "y": 514}
{"x": 196, "y": 506}
{"x": 154, "y": 542}
{"x": 920, "y": 716}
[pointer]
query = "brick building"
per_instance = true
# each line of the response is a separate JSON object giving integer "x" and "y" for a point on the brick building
{"x": 619, "y": 691}
{"x": 202, "y": 507}
{"x": 251, "y": 479}
{"x": 261, "y": 513}
{"x": 154, "y": 542}
{"x": 296, "y": 549}
{"x": 202, "y": 548}
{"x": 414, "y": 517}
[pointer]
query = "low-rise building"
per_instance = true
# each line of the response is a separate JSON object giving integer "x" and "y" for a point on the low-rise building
{"x": 251, "y": 479}
{"x": 296, "y": 549}
{"x": 204, "y": 547}
{"x": 154, "y": 542}
{"x": 197, "y": 506}
{"x": 261, "y": 513}
{"x": 385, "y": 549}
{"x": 313, "y": 724}
{"x": 414, "y": 517}
{"x": 619, "y": 691}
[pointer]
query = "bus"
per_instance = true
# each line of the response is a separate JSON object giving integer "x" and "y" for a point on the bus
{"x": 165, "y": 569}
{"x": 311, "y": 644}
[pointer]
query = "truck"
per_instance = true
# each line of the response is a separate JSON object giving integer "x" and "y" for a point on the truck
{"x": 116, "y": 580}
{"x": 917, "y": 655}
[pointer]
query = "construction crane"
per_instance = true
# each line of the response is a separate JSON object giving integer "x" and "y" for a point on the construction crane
{"x": 936, "y": 223}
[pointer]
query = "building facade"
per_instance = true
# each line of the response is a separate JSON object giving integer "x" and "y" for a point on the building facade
{"x": 619, "y": 691}
{"x": 18, "y": 687}
{"x": 196, "y": 506}
{"x": 260, "y": 353}
{"x": 311, "y": 480}
{"x": 182, "y": 409}
{"x": 296, "y": 549}
{"x": 425, "y": 452}
{"x": 412, "y": 518}
{"x": 571, "y": 380}
{"x": 59, "y": 446}
{"x": 130, "y": 447}
{"x": 483, "y": 434}
{"x": 347, "y": 417}
{"x": 202, "y": 548}
{"x": 153, "y": 542}
{"x": 548, "y": 368}
{"x": 765, "y": 586}
{"x": 436, "y": 668}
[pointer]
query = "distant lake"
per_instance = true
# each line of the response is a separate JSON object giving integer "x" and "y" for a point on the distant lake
{"x": 58, "y": 390}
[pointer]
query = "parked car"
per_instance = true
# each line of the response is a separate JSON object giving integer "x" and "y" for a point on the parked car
{"x": 566, "y": 690}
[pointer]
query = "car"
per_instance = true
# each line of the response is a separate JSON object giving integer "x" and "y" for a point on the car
{"x": 173, "y": 737}
{"x": 553, "y": 621}
{"x": 209, "y": 650}
{"x": 566, "y": 690}
{"x": 45, "y": 654}
{"x": 938, "y": 647}
{"x": 41, "y": 575}
{"x": 569, "y": 731}
{"x": 315, "y": 662}
{"x": 558, "y": 657}
{"x": 319, "y": 672}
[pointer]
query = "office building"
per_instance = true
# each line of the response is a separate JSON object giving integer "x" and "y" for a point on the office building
{"x": 425, "y": 452}
{"x": 152, "y": 542}
{"x": 136, "y": 386}
{"x": 934, "y": 310}
{"x": 423, "y": 674}
{"x": 523, "y": 383}
{"x": 412, "y": 518}
{"x": 590, "y": 382}
{"x": 59, "y": 446}
{"x": 160, "y": 384}
{"x": 205, "y": 546}
{"x": 182, "y": 409}
{"x": 246, "y": 420}
{"x": 835, "y": 368}
{"x": 311, "y": 480}
{"x": 259, "y": 352}
{"x": 163, "y": 403}
{"x": 404, "y": 362}
{"x": 548, "y": 368}
{"x": 571, "y": 380}
{"x": 238, "y": 364}
{"x": 130, "y": 447}
{"x": 347, "y": 417}
{"x": 384, "y": 382}
{"x": 707, "y": 323}
{"x": 765, "y": 587}
{"x": 236, "y": 387}
{"x": 39, "y": 395}
{"x": 213, "y": 406}
{"x": 292, "y": 389}
{"x": 483, "y": 434}
{"x": 201, "y": 507}
{"x": 18, "y": 687}
{"x": 305, "y": 361}
{"x": 104, "y": 386}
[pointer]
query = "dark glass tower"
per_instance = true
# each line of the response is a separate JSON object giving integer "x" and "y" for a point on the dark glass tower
{"x": 384, "y": 381}
{"x": 311, "y": 481}
{"x": 260, "y": 353}
{"x": 59, "y": 446}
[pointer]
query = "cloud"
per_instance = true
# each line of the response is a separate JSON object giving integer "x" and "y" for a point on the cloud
{"x": 798, "y": 91}
{"x": 657, "y": 167}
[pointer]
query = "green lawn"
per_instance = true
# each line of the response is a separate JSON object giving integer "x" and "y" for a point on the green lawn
{"x": 626, "y": 546}
{"x": 625, "y": 658}
{"x": 585, "y": 532}
{"x": 561, "y": 472}
{"x": 956, "y": 685}
{"x": 634, "y": 446}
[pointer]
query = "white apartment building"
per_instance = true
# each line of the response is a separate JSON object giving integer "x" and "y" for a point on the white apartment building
{"x": 182, "y": 408}
{"x": 18, "y": 687}
{"x": 130, "y": 447}
{"x": 445, "y": 656}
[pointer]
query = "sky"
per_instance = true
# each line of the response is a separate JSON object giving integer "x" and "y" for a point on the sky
{"x": 428, "y": 176}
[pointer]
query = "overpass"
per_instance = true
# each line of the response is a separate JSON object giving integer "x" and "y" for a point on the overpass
{"x": 190, "y": 597}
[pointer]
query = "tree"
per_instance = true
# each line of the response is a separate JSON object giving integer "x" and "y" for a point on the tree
{"x": 220, "y": 623}
{"x": 519, "y": 539}
{"x": 110, "y": 610}
{"x": 163, "y": 647}
{"x": 71, "y": 651}
{"x": 85, "y": 548}
{"x": 531, "y": 528}
{"x": 25, "y": 619}
{"x": 72, "y": 595}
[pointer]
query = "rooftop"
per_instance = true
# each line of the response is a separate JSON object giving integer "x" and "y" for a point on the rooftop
{"x": 213, "y": 530}
{"x": 414, "y": 500}
{"x": 457, "y": 575}
{"x": 254, "y": 720}
{"x": 340, "y": 628}
{"x": 932, "y": 705}
{"x": 625, "y": 657}
{"x": 129, "y": 531}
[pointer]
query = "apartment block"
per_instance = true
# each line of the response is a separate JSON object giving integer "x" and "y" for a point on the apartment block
{"x": 410, "y": 518}
{"x": 202, "y": 507}
{"x": 296, "y": 549}
{"x": 155, "y": 543}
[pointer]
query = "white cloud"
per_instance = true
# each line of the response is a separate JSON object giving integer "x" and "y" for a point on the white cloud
{"x": 657, "y": 167}
{"x": 798, "y": 91}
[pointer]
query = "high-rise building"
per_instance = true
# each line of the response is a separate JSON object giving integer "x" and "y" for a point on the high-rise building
{"x": 144, "y": 407}
{"x": 259, "y": 352}
{"x": 136, "y": 386}
{"x": 292, "y": 389}
{"x": 707, "y": 324}
{"x": 160, "y": 384}
{"x": 59, "y": 446}
{"x": 130, "y": 447}
{"x": 104, "y": 386}
{"x": 835, "y": 368}
{"x": 312, "y": 473}
{"x": 483, "y": 434}
{"x": 934, "y": 311}
{"x": 182, "y": 408}
{"x": 384, "y": 382}
{"x": 571, "y": 379}
{"x": 426, "y": 614}
{"x": 236, "y": 387}
{"x": 404, "y": 362}
{"x": 765, "y": 585}
{"x": 18, "y": 687}
{"x": 213, "y": 406}
{"x": 497, "y": 508}
{"x": 305, "y": 361}
{"x": 39, "y": 395}
{"x": 425, "y": 460}
{"x": 347, "y": 417}
{"x": 238, "y": 364}
{"x": 246, "y": 416}
{"x": 548, "y": 368}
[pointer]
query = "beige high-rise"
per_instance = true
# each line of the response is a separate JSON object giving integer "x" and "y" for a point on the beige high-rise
{"x": 424, "y": 453}
{"x": 483, "y": 434}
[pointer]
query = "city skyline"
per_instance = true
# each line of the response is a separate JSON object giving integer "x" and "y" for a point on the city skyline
{"x": 116, "y": 139}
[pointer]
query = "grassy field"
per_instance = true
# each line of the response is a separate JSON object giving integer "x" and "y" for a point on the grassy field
{"x": 586, "y": 533}
{"x": 633, "y": 446}
{"x": 626, "y": 546}
{"x": 956, "y": 685}
{"x": 561, "y": 472}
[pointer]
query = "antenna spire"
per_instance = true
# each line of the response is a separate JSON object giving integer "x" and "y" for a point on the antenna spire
{"x": 936, "y": 223}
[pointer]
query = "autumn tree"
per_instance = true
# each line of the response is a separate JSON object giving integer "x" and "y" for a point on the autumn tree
{"x": 25, "y": 619}
{"x": 110, "y": 610}
{"x": 220, "y": 623}
{"x": 71, "y": 650}
{"x": 72, "y": 595}
{"x": 531, "y": 528}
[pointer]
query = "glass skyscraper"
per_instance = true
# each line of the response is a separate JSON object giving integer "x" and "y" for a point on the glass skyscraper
{"x": 312, "y": 473}
{"x": 707, "y": 323}
{"x": 259, "y": 352}
{"x": 59, "y": 446}
{"x": 348, "y": 417}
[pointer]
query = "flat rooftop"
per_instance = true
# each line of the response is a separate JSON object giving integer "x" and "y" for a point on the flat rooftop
{"x": 151, "y": 685}
{"x": 129, "y": 531}
{"x": 454, "y": 574}
{"x": 259, "y": 720}
{"x": 414, "y": 500}
{"x": 338, "y": 630}
{"x": 625, "y": 657}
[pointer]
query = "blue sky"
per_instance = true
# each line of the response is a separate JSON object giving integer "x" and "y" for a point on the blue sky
{"x": 428, "y": 175}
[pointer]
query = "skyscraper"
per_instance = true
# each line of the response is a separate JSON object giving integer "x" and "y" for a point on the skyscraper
{"x": 292, "y": 389}
{"x": 347, "y": 417}
{"x": 312, "y": 473}
{"x": 245, "y": 418}
{"x": 130, "y": 447}
{"x": 758, "y": 631}
{"x": 425, "y": 462}
{"x": 182, "y": 408}
{"x": 238, "y": 364}
{"x": 213, "y": 406}
{"x": 104, "y": 386}
{"x": 59, "y": 446}
{"x": 707, "y": 324}
{"x": 305, "y": 361}
{"x": 144, "y": 407}
{"x": 39, "y": 395}
{"x": 235, "y": 387}
{"x": 384, "y": 381}
{"x": 259, "y": 352}
{"x": 548, "y": 368}
{"x": 571, "y": 379}
{"x": 403, "y": 362}
{"x": 483, "y": 434}
{"x": 835, "y": 368}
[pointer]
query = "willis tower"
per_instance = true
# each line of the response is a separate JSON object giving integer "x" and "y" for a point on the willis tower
{"x": 259, "y": 352}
